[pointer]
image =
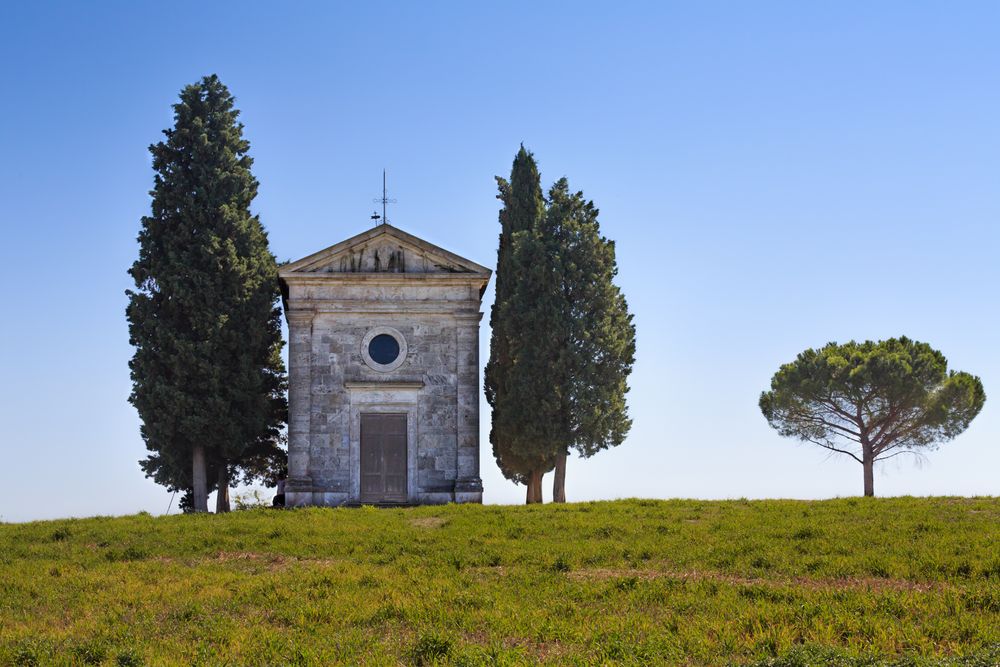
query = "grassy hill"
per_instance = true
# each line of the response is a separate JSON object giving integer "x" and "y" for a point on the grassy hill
{"x": 853, "y": 581}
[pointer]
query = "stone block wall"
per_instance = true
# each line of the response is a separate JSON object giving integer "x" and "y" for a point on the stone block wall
{"x": 437, "y": 386}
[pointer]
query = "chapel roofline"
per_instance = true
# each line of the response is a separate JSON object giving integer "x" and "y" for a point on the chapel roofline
{"x": 302, "y": 266}
{"x": 303, "y": 270}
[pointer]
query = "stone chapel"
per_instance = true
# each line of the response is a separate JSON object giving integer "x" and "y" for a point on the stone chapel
{"x": 383, "y": 372}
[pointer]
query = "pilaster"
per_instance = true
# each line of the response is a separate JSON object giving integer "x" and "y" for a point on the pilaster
{"x": 468, "y": 485}
{"x": 299, "y": 484}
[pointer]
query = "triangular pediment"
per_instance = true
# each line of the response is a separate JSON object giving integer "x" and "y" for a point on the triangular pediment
{"x": 384, "y": 249}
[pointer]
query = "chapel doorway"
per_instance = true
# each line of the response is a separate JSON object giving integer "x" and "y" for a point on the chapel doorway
{"x": 383, "y": 458}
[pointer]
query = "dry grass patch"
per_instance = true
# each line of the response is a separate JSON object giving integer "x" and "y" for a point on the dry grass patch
{"x": 873, "y": 584}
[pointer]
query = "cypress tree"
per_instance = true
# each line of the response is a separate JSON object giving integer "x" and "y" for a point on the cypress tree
{"x": 540, "y": 364}
{"x": 596, "y": 330}
{"x": 523, "y": 208}
{"x": 208, "y": 379}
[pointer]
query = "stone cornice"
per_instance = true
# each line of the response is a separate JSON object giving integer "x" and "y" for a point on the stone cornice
{"x": 402, "y": 305}
{"x": 407, "y": 279}
{"x": 360, "y": 306}
{"x": 299, "y": 316}
{"x": 469, "y": 316}
{"x": 387, "y": 385}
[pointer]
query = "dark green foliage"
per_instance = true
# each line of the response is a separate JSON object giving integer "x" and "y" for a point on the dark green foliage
{"x": 599, "y": 341}
{"x": 561, "y": 564}
{"x": 430, "y": 649}
{"x": 204, "y": 317}
{"x": 523, "y": 209}
{"x": 534, "y": 427}
{"x": 90, "y": 652}
{"x": 872, "y": 400}
{"x": 60, "y": 534}
{"x": 563, "y": 341}
{"x": 129, "y": 658}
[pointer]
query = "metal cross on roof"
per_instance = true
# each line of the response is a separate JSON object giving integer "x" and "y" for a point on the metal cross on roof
{"x": 384, "y": 199}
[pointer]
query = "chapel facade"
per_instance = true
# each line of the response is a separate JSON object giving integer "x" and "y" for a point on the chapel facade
{"x": 383, "y": 372}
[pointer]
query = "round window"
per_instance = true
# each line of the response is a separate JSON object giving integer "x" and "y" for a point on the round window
{"x": 383, "y": 349}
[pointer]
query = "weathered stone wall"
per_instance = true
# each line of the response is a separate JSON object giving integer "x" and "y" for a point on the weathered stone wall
{"x": 430, "y": 359}
{"x": 437, "y": 386}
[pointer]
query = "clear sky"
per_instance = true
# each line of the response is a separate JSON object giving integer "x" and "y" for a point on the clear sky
{"x": 776, "y": 176}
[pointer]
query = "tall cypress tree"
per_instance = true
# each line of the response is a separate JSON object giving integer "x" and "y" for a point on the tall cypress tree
{"x": 596, "y": 331}
{"x": 523, "y": 209}
{"x": 208, "y": 379}
{"x": 540, "y": 363}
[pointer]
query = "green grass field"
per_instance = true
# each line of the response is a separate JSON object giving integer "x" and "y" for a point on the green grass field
{"x": 903, "y": 581}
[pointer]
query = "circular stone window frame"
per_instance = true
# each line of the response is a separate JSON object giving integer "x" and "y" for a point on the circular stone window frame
{"x": 374, "y": 365}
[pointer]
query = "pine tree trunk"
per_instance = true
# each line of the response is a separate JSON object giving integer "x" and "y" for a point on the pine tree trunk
{"x": 199, "y": 479}
{"x": 869, "y": 464}
{"x": 559, "y": 480}
{"x": 534, "y": 487}
{"x": 222, "y": 494}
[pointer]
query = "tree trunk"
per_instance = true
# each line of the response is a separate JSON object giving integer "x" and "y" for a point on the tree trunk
{"x": 869, "y": 465}
{"x": 199, "y": 482}
{"x": 559, "y": 480}
{"x": 534, "y": 487}
{"x": 222, "y": 493}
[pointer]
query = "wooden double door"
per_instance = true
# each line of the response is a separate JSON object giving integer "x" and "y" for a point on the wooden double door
{"x": 383, "y": 457}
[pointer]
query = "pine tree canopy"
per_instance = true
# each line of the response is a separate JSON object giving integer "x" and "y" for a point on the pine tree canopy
{"x": 873, "y": 400}
{"x": 204, "y": 317}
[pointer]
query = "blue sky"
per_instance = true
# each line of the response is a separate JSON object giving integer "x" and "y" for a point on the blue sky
{"x": 775, "y": 175}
